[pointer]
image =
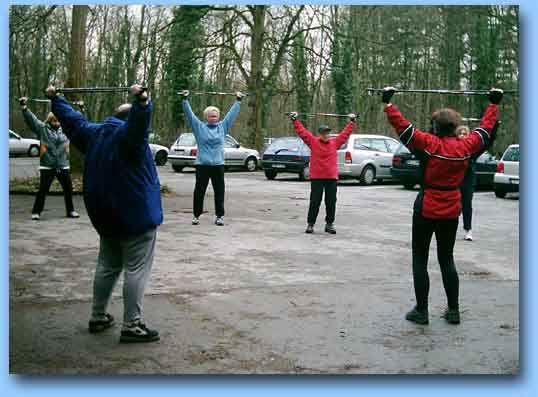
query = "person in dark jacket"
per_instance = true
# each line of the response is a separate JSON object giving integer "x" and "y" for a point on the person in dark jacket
{"x": 53, "y": 159}
{"x": 438, "y": 204}
{"x": 467, "y": 188}
{"x": 123, "y": 200}
{"x": 323, "y": 169}
{"x": 210, "y": 135}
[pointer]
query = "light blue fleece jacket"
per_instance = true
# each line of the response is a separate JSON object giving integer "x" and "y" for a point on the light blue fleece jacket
{"x": 210, "y": 137}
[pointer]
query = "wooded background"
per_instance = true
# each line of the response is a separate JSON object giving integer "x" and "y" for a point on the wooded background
{"x": 304, "y": 58}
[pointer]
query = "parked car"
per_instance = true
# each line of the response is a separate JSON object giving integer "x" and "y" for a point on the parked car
{"x": 183, "y": 153}
{"x": 366, "y": 157}
{"x": 506, "y": 178}
{"x": 22, "y": 146}
{"x": 160, "y": 153}
{"x": 406, "y": 168}
{"x": 286, "y": 155}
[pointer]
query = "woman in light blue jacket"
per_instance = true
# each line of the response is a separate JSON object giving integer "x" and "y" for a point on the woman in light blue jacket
{"x": 210, "y": 135}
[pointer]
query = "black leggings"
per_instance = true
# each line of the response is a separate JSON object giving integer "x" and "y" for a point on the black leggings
{"x": 203, "y": 174}
{"x": 46, "y": 178}
{"x": 445, "y": 234}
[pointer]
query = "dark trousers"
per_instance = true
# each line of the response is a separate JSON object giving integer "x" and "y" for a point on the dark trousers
{"x": 203, "y": 174}
{"x": 45, "y": 180}
{"x": 445, "y": 234}
{"x": 467, "y": 190}
{"x": 317, "y": 186}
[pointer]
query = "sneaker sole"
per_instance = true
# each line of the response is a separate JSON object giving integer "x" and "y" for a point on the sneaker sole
{"x": 135, "y": 339}
{"x": 95, "y": 329}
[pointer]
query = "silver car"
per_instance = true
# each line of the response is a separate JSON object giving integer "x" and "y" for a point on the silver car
{"x": 22, "y": 146}
{"x": 183, "y": 154}
{"x": 366, "y": 157}
{"x": 506, "y": 179}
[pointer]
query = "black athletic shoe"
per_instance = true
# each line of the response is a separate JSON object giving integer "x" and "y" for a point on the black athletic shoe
{"x": 95, "y": 326}
{"x": 138, "y": 333}
{"x": 329, "y": 228}
{"x": 309, "y": 229}
{"x": 452, "y": 316}
{"x": 419, "y": 317}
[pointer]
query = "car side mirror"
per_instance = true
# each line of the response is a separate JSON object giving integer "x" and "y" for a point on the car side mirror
{"x": 237, "y": 145}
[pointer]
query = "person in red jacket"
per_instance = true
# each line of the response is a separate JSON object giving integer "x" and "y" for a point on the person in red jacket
{"x": 438, "y": 204}
{"x": 323, "y": 169}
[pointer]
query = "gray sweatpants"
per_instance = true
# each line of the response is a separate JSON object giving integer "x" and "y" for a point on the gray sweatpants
{"x": 134, "y": 255}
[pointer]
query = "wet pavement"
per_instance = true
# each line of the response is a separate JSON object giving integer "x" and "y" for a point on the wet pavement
{"x": 260, "y": 296}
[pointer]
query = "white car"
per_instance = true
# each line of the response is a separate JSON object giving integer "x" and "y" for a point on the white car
{"x": 506, "y": 179}
{"x": 22, "y": 146}
{"x": 183, "y": 154}
{"x": 367, "y": 157}
{"x": 160, "y": 153}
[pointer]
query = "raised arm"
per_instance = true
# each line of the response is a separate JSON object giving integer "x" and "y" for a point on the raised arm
{"x": 300, "y": 129}
{"x": 35, "y": 125}
{"x": 79, "y": 130}
{"x": 139, "y": 119}
{"x": 346, "y": 132}
{"x": 230, "y": 117}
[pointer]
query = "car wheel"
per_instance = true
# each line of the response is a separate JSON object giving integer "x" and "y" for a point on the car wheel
{"x": 304, "y": 175}
{"x": 161, "y": 157}
{"x": 500, "y": 193}
{"x": 270, "y": 174}
{"x": 177, "y": 168}
{"x": 367, "y": 175}
{"x": 409, "y": 186}
{"x": 251, "y": 164}
{"x": 33, "y": 151}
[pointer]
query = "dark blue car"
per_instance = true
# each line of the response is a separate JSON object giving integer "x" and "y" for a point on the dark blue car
{"x": 286, "y": 155}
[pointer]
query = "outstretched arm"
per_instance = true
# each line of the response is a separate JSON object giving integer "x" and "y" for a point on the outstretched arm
{"x": 300, "y": 129}
{"x": 35, "y": 125}
{"x": 346, "y": 132}
{"x": 191, "y": 118}
{"x": 233, "y": 112}
{"x": 79, "y": 130}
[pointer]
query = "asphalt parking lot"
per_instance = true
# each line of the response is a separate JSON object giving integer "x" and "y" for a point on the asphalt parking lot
{"x": 260, "y": 296}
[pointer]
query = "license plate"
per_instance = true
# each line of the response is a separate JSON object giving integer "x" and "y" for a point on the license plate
{"x": 514, "y": 181}
{"x": 413, "y": 162}
{"x": 278, "y": 166}
{"x": 180, "y": 150}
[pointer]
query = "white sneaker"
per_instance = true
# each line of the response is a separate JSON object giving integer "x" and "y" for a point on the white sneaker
{"x": 73, "y": 214}
{"x": 468, "y": 236}
{"x": 195, "y": 221}
{"x": 35, "y": 217}
{"x": 219, "y": 221}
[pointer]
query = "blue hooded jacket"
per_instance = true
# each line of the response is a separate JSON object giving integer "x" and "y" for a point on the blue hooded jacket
{"x": 121, "y": 185}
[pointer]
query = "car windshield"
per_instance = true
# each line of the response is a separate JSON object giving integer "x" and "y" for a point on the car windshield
{"x": 512, "y": 154}
{"x": 289, "y": 144}
{"x": 186, "y": 140}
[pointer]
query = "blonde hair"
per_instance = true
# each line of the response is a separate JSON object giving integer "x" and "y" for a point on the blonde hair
{"x": 50, "y": 117}
{"x": 209, "y": 109}
{"x": 462, "y": 130}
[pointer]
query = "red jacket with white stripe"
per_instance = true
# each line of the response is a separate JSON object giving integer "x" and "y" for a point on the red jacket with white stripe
{"x": 323, "y": 156}
{"x": 448, "y": 158}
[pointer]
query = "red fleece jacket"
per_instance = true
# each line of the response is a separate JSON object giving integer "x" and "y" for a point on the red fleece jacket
{"x": 323, "y": 156}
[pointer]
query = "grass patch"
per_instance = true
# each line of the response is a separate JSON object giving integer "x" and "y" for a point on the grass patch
{"x": 31, "y": 186}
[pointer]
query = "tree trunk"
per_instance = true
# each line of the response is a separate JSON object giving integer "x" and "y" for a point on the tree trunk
{"x": 77, "y": 61}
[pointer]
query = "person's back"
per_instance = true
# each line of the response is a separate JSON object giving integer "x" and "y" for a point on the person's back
{"x": 121, "y": 185}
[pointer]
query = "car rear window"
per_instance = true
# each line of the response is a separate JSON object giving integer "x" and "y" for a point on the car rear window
{"x": 402, "y": 150}
{"x": 186, "y": 140}
{"x": 511, "y": 154}
{"x": 291, "y": 144}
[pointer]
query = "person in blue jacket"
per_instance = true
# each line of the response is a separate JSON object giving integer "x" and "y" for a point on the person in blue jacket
{"x": 210, "y": 135}
{"x": 122, "y": 196}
